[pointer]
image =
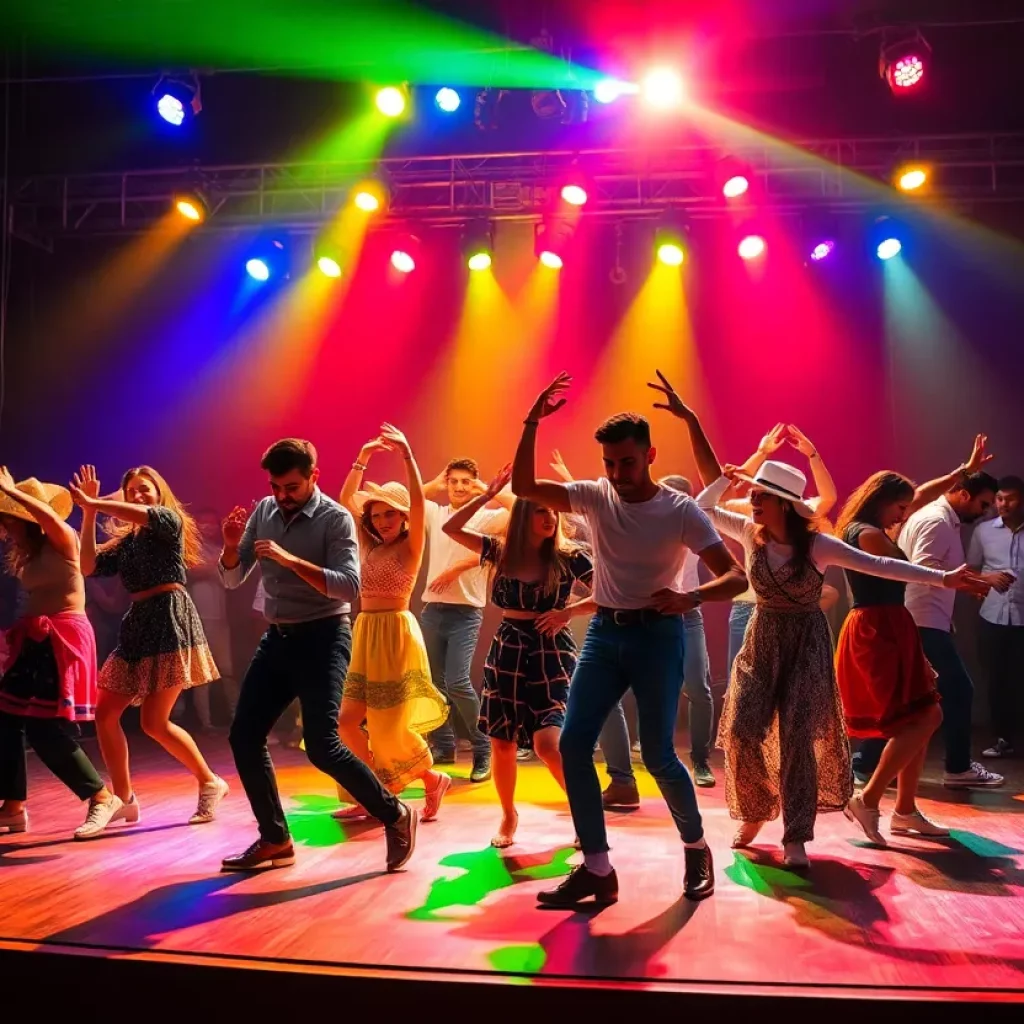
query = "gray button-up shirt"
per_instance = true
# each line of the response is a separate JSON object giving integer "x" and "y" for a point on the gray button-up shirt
{"x": 323, "y": 533}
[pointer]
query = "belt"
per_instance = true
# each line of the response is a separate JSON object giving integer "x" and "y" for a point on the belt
{"x": 632, "y": 616}
{"x": 298, "y": 628}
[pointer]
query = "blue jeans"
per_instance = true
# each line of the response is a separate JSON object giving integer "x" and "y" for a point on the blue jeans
{"x": 451, "y": 632}
{"x": 647, "y": 658}
{"x": 739, "y": 617}
{"x": 697, "y": 686}
{"x": 957, "y": 691}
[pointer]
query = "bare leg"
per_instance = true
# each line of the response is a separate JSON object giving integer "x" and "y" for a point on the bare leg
{"x": 545, "y": 745}
{"x": 157, "y": 724}
{"x": 113, "y": 745}
{"x": 504, "y": 768}
{"x": 905, "y": 748}
{"x": 907, "y": 782}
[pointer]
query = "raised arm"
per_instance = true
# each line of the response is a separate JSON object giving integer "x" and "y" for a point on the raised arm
{"x": 456, "y": 525}
{"x": 125, "y": 511}
{"x": 524, "y": 469}
{"x": 56, "y": 531}
{"x": 88, "y": 483}
{"x": 823, "y": 482}
{"x": 703, "y": 454}
{"x": 394, "y": 438}
{"x": 238, "y": 555}
{"x": 768, "y": 445}
{"x": 934, "y": 489}
{"x": 354, "y": 480}
{"x": 732, "y": 524}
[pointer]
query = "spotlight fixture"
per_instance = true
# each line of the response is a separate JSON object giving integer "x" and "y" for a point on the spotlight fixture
{"x": 735, "y": 186}
{"x": 574, "y": 190}
{"x": 550, "y": 241}
{"x": 911, "y": 178}
{"x": 485, "y": 108}
{"x": 670, "y": 241}
{"x": 405, "y": 253}
{"x": 822, "y": 250}
{"x": 329, "y": 266}
{"x": 370, "y": 196}
{"x": 177, "y": 99}
{"x": 732, "y": 177}
{"x": 330, "y": 260}
{"x": 478, "y": 245}
{"x": 392, "y": 100}
{"x": 751, "y": 247}
{"x": 270, "y": 259}
{"x": 257, "y": 269}
{"x": 448, "y": 100}
{"x": 608, "y": 90}
{"x": 192, "y": 206}
{"x": 904, "y": 60}
{"x": 888, "y": 247}
{"x": 663, "y": 89}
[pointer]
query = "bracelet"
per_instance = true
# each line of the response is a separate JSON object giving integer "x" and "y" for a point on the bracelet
{"x": 359, "y": 466}
{"x": 531, "y": 423}
{"x": 813, "y": 454}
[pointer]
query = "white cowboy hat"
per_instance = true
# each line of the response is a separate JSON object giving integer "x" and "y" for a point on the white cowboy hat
{"x": 784, "y": 481}
{"x": 392, "y": 493}
{"x": 57, "y": 497}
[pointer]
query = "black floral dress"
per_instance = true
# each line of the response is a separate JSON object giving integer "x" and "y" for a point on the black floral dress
{"x": 161, "y": 645}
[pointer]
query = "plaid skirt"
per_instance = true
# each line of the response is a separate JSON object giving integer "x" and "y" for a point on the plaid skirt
{"x": 526, "y": 681}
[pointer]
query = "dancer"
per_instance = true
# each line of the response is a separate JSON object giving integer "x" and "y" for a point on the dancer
{"x": 49, "y": 680}
{"x": 161, "y": 648}
{"x": 997, "y": 550}
{"x": 304, "y": 652}
{"x": 782, "y": 726}
{"x": 641, "y": 533}
{"x": 533, "y": 654}
{"x": 887, "y": 686}
{"x": 388, "y": 685}
{"x": 453, "y": 610}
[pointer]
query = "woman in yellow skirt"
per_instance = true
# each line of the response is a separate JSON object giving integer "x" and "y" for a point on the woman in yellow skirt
{"x": 388, "y": 685}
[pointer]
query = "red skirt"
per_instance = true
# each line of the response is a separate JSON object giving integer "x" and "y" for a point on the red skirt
{"x": 884, "y": 677}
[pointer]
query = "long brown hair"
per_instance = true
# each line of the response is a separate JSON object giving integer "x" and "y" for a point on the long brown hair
{"x": 369, "y": 538}
{"x": 800, "y": 533}
{"x": 17, "y": 555}
{"x": 192, "y": 539}
{"x": 555, "y": 550}
{"x": 867, "y": 501}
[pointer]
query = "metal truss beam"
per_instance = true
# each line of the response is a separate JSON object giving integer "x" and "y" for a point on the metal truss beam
{"x": 835, "y": 175}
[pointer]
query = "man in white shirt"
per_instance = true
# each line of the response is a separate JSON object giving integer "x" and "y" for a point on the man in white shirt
{"x": 641, "y": 533}
{"x": 997, "y": 550}
{"x": 931, "y": 537}
{"x": 453, "y": 610}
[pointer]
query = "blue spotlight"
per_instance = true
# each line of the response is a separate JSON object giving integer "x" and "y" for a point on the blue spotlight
{"x": 888, "y": 248}
{"x": 448, "y": 100}
{"x": 258, "y": 269}
{"x": 178, "y": 100}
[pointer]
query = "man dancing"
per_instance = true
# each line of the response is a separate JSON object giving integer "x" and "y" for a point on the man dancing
{"x": 304, "y": 653}
{"x": 641, "y": 533}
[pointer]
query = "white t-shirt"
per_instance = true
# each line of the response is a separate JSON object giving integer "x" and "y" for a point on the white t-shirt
{"x": 639, "y": 547}
{"x": 443, "y": 552}
{"x": 689, "y": 578}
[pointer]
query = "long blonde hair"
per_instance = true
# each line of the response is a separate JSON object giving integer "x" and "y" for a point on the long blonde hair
{"x": 555, "y": 550}
{"x": 192, "y": 539}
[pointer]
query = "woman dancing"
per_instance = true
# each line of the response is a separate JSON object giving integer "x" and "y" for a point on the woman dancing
{"x": 388, "y": 685}
{"x": 532, "y": 656}
{"x": 782, "y": 726}
{"x": 888, "y": 688}
{"x": 49, "y": 680}
{"x": 161, "y": 648}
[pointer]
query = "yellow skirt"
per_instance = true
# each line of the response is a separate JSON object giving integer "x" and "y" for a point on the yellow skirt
{"x": 390, "y": 674}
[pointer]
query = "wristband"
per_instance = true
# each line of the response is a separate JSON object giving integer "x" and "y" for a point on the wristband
{"x": 360, "y": 466}
{"x": 531, "y": 423}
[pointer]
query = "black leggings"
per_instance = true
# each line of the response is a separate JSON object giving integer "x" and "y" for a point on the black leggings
{"x": 54, "y": 741}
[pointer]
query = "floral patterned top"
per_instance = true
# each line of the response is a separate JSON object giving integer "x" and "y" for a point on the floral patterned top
{"x": 150, "y": 556}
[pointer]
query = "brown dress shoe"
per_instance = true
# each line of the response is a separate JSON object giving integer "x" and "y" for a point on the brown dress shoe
{"x": 620, "y": 794}
{"x": 261, "y": 855}
{"x": 401, "y": 838}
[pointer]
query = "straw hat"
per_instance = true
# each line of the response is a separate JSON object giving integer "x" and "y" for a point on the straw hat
{"x": 57, "y": 497}
{"x": 392, "y": 493}
{"x": 784, "y": 481}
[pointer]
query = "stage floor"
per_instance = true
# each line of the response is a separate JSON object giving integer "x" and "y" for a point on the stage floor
{"x": 938, "y": 916}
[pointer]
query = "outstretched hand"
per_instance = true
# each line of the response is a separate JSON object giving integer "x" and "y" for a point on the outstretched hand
{"x": 393, "y": 439}
{"x": 552, "y": 398}
{"x": 773, "y": 440}
{"x": 673, "y": 403}
{"x": 979, "y": 454}
{"x": 87, "y": 482}
{"x": 965, "y": 578}
{"x": 800, "y": 441}
{"x": 234, "y": 526}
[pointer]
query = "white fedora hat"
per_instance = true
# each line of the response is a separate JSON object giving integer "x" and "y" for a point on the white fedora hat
{"x": 784, "y": 481}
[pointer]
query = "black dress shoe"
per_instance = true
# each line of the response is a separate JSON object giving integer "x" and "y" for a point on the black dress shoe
{"x": 579, "y": 885}
{"x": 481, "y": 768}
{"x": 401, "y": 838}
{"x": 699, "y": 880}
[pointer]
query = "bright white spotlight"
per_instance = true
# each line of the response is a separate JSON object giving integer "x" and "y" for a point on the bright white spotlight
{"x": 403, "y": 262}
{"x": 751, "y": 247}
{"x": 447, "y": 100}
{"x": 663, "y": 89}
{"x": 888, "y": 248}
{"x": 329, "y": 266}
{"x": 257, "y": 269}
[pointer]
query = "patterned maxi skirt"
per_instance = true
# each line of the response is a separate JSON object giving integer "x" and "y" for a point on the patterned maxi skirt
{"x": 390, "y": 674}
{"x": 161, "y": 646}
{"x": 782, "y": 726}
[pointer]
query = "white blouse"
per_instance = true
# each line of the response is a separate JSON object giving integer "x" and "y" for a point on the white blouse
{"x": 825, "y": 550}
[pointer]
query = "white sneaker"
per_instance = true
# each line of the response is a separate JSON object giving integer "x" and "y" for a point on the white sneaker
{"x": 795, "y": 856}
{"x": 210, "y": 795}
{"x": 978, "y": 776}
{"x": 130, "y": 813}
{"x": 860, "y": 814}
{"x": 999, "y": 749}
{"x": 917, "y": 823}
{"x": 99, "y": 817}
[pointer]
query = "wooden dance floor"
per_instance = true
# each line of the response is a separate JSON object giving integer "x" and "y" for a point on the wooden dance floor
{"x": 921, "y": 920}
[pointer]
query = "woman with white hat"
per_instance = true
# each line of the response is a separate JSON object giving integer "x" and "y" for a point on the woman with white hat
{"x": 49, "y": 678}
{"x": 388, "y": 686}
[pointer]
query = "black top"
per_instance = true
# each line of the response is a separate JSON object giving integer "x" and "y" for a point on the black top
{"x": 150, "y": 556}
{"x": 518, "y": 595}
{"x": 871, "y": 591}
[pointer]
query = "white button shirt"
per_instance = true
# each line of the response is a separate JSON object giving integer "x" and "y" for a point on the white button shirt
{"x": 997, "y": 548}
{"x": 931, "y": 537}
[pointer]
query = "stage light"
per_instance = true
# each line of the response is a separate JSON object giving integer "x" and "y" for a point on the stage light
{"x": 608, "y": 90}
{"x": 670, "y": 240}
{"x": 903, "y": 62}
{"x": 670, "y": 254}
{"x": 370, "y": 196}
{"x": 405, "y": 253}
{"x": 478, "y": 245}
{"x": 448, "y": 100}
{"x": 910, "y": 179}
{"x": 328, "y": 266}
{"x": 551, "y": 259}
{"x": 574, "y": 194}
{"x": 192, "y": 207}
{"x": 258, "y": 269}
{"x": 391, "y": 101}
{"x": 735, "y": 186}
{"x": 663, "y": 89}
{"x": 888, "y": 248}
{"x": 177, "y": 100}
{"x": 551, "y": 239}
{"x": 822, "y": 250}
{"x": 366, "y": 201}
{"x": 750, "y": 247}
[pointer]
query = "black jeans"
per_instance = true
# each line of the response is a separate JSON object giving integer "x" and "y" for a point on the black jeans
{"x": 54, "y": 741}
{"x": 308, "y": 662}
{"x": 1001, "y": 651}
